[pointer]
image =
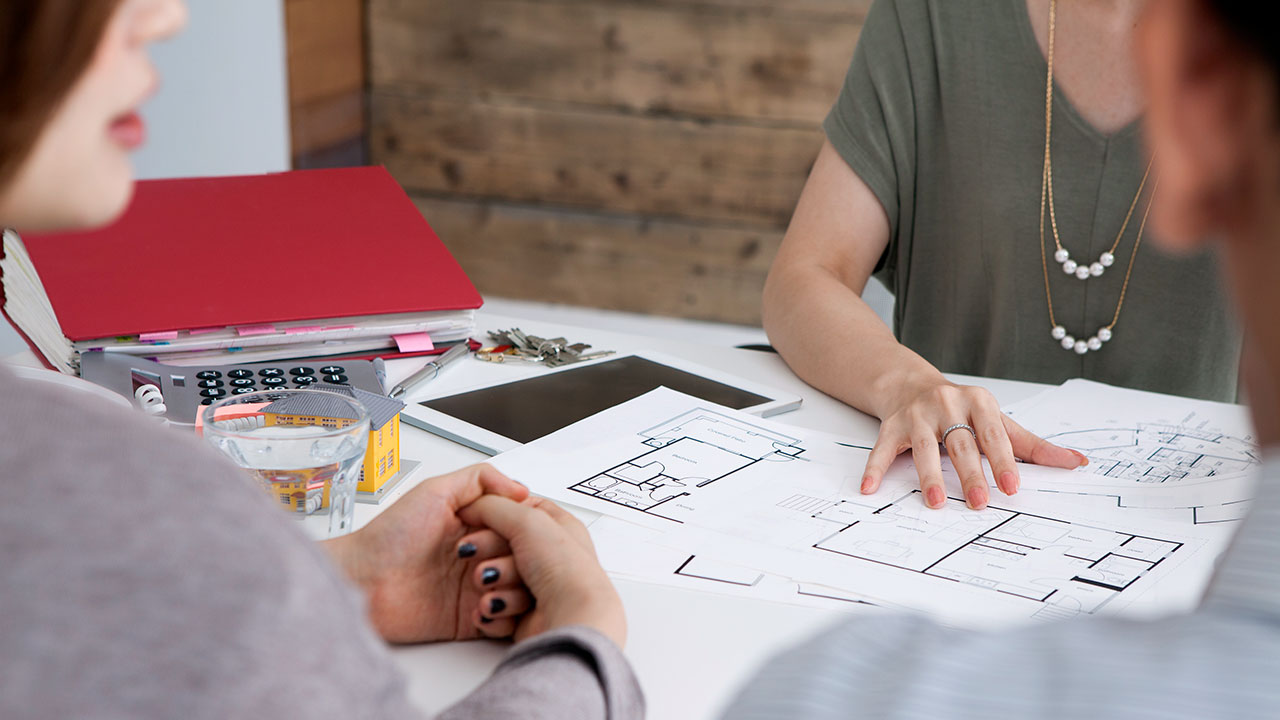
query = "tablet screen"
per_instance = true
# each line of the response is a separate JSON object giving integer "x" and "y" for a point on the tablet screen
{"x": 526, "y": 410}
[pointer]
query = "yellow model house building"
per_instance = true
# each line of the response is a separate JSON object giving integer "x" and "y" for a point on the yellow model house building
{"x": 382, "y": 458}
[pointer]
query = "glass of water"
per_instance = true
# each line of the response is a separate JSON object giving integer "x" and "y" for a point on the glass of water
{"x": 305, "y": 448}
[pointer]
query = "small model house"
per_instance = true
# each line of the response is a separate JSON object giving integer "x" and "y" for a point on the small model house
{"x": 382, "y": 458}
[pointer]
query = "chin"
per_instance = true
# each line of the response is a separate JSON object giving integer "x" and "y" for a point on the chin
{"x": 101, "y": 200}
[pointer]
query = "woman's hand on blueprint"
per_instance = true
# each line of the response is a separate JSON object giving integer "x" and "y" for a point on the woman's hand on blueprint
{"x": 543, "y": 549}
{"x": 922, "y": 417}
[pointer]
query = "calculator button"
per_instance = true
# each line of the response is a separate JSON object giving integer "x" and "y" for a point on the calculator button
{"x": 242, "y": 383}
{"x": 208, "y": 401}
{"x": 303, "y": 380}
{"x": 241, "y": 390}
{"x": 273, "y": 381}
{"x": 300, "y": 371}
{"x": 240, "y": 373}
{"x": 270, "y": 372}
{"x": 210, "y": 383}
{"x": 208, "y": 375}
{"x": 336, "y": 379}
{"x": 332, "y": 370}
{"x": 213, "y": 393}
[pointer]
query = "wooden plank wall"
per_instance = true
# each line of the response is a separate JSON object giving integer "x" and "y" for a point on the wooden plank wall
{"x": 641, "y": 155}
{"x": 327, "y": 82}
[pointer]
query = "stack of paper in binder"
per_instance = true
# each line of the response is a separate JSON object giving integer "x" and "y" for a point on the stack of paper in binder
{"x": 243, "y": 269}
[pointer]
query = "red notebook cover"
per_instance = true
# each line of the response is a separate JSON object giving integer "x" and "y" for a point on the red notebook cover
{"x": 260, "y": 249}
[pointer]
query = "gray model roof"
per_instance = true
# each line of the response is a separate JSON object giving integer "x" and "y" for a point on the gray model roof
{"x": 381, "y": 409}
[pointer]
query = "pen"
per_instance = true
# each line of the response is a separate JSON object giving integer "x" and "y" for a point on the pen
{"x": 431, "y": 370}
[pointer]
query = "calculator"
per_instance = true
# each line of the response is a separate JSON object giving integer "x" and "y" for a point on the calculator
{"x": 185, "y": 389}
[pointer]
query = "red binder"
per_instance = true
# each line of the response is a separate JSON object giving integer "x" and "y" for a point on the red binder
{"x": 214, "y": 252}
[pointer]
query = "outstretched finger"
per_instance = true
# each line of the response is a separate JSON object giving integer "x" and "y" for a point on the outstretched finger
{"x": 482, "y": 545}
{"x": 963, "y": 451}
{"x": 1035, "y": 449}
{"x": 994, "y": 441}
{"x": 889, "y": 445}
{"x": 924, "y": 451}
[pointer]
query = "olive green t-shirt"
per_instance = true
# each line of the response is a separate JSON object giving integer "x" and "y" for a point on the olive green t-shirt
{"x": 942, "y": 115}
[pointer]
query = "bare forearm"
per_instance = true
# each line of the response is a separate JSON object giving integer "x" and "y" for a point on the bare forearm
{"x": 834, "y": 341}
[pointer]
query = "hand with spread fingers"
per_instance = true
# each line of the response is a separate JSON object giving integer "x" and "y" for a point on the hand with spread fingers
{"x": 406, "y": 561}
{"x": 538, "y": 548}
{"x": 968, "y": 422}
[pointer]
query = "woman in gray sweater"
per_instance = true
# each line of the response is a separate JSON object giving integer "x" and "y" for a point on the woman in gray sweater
{"x": 120, "y": 598}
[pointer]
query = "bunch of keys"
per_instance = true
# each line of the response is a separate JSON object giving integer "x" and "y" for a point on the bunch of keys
{"x": 555, "y": 352}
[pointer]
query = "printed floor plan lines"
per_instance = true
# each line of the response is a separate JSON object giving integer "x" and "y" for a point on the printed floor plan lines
{"x": 1160, "y": 453}
{"x": 1072, "y": 567}
{"x": 688, "y": 452}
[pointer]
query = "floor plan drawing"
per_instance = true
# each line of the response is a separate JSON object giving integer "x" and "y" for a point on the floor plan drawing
{"x": 686, "y": 453}
{"x": 745, "y": 499}
{"x": 1069, "y": 567}
{"x": 1160, "y": 453}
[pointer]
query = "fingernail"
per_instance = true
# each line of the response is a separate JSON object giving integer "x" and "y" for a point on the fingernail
{"x": 485, "y": 620}
{"x": 935, "y": 497}
{"x": 867, "y": 484}
{"x": 977, "y": 497}
{"x": 1010, "y": 482}
{"x": 466, "y": 550}
{"x": 1083, "y": 460}
{"x": 497, "y": 605}
{"x": 489, "y": 576}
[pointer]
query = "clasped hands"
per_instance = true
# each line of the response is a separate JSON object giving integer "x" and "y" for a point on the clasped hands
{"x": 469, "y": 555}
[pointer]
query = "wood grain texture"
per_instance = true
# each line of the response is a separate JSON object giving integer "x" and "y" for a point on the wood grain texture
{"x": 597, "y": 160}
{"x": 614, "y": 262}
{"x": 326, "y": 61}
{"x": 756, "y": 59}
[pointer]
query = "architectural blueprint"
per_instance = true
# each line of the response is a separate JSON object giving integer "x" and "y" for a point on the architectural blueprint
{"x": 784, "y": 502}
{"x": 1201, "y": 453}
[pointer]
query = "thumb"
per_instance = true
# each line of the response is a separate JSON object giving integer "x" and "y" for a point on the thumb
{"x": 504, "y": 516}
{"x": 1035, "y": 449}
{"x": 465, "y": 486}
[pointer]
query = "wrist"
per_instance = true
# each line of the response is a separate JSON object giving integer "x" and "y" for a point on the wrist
{"x": 345, "y": 553}
{"x": 896, "y": 388}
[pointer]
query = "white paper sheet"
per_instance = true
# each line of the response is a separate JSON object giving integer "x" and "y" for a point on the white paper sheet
{"x": 785, "y": 501}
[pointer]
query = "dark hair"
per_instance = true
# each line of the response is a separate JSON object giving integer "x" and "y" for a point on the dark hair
{"x": 45, "y": 45}
{"x": 1253, "y": 23}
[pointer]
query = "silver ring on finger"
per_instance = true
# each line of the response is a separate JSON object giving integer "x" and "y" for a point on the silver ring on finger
{"x": 958, "y": 426}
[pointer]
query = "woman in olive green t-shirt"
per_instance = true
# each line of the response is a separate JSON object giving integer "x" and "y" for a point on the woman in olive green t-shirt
{"x": 933, "y": 180}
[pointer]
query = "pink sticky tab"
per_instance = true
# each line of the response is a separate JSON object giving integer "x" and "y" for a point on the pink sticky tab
{"x": 203, "y": 331}
{"x": 249, "y": 330}
{"x": 301, "y": 330}
{"x": 156, "y": 336}
{"x": 414, "y": 342}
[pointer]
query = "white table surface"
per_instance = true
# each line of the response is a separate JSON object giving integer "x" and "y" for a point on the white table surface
{"x": 690, "y": 649}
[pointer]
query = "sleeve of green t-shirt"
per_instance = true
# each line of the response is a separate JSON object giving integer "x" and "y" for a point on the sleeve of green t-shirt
{"x": 873, "y": 123}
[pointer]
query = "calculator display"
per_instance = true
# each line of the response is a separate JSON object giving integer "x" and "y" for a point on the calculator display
{"x": 526, "y": 410}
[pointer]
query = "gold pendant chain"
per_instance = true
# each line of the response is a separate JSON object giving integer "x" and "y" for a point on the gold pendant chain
{"x": 1046, "y": 198}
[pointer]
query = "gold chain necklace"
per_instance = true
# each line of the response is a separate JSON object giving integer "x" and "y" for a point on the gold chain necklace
{"x": 1061, "y": 256}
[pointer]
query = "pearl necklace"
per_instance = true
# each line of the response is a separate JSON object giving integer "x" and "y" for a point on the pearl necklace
{"x": 1061, "y": 255}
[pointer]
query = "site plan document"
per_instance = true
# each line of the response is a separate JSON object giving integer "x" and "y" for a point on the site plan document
{"x": 784, "y": 501}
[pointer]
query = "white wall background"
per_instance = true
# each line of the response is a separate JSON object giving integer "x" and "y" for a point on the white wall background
{"x": 223, "y": 106}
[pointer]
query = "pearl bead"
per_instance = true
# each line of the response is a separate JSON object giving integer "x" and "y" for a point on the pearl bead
{"x": 1081, "y": 347}
{"x": 1107, "y": 259}
{"x": 1095, "y": 344}
{"x": 1059, "y": 332}
{"x": 1061, "y": 256}
{"x": 1069, "y": 267}
{"x": 1096, "y": 269}
{"x": 1068, "y": 342}
{"x": 1104, "y": 334}
{"x": 1082, "y": 272}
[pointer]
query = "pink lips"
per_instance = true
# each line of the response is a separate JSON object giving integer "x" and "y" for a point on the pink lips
{"x": 129, "y": 131}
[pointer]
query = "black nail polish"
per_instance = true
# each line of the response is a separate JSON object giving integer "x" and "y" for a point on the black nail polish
{"x": 466, "y": 550}
{"x": 485, "y": 620}
{"x": 497, "y": 605}
{"x": 489, "y": 576}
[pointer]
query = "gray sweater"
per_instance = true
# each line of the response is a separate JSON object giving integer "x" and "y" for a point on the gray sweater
{"x": 141, "y": 576}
